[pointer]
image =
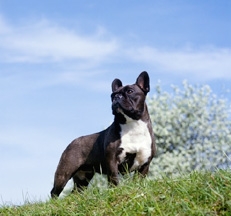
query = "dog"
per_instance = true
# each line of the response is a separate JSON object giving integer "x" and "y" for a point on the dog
{"x": 127, "y": 145}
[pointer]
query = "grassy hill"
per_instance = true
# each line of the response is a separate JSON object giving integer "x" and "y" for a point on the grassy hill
{"x": 194, "y": 194}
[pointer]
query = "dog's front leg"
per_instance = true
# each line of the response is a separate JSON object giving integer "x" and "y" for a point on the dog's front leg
{"x": 143, "y": 171}
{"x": 112, "y": 173}
{"x": 112, "y": 166}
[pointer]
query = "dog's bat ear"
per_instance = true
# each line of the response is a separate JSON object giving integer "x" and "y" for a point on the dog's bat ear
{"x": 116, "y": 84}
{"x": 143, "y": 82}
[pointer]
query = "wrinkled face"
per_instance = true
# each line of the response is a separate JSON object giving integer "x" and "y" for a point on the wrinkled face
{"x": 128, "y": 100}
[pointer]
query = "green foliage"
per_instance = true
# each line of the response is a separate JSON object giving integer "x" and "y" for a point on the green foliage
{"x": 192, "y": 128}
{"x": 194, "y": 194}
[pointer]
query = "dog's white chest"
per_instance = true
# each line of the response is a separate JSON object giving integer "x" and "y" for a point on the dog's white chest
{"x": 135, "y": 139}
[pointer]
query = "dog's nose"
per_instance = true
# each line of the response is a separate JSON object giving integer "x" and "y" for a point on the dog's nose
{"x": 118, "y": 96}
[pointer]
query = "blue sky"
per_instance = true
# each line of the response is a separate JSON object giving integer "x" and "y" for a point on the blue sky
{"x": 58, "y": 59}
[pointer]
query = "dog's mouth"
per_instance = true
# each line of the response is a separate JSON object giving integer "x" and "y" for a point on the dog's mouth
{"x": 128, "y": 111}
{"x": 120, "y": 103}
{"x": 117, "y": 108}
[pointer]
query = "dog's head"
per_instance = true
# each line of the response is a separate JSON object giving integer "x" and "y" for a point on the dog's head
{"x": 129, "y": 100}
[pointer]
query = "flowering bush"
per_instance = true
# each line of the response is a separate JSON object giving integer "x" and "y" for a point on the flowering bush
{"x": 192, "y": 128}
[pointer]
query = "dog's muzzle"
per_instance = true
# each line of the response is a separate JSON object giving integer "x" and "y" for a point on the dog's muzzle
{"x": 116, "y": 107}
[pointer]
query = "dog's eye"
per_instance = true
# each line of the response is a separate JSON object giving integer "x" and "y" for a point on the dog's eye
{"x": 129, "y": 91}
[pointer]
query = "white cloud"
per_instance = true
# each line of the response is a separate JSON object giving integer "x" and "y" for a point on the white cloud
{"x": 74, "y": 54}
{"x": 45, "y": 41}
{"x": 207, "y": 63}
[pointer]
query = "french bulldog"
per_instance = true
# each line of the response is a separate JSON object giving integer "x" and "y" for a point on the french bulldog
{"x": 126, "y": 145}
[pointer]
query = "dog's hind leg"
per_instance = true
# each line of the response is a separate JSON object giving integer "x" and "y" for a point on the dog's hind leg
{"x": 59, "y": 184}
{"x": 68, "y": 166}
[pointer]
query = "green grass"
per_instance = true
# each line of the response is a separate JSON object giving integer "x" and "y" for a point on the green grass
{"x": 199, "y": 193}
